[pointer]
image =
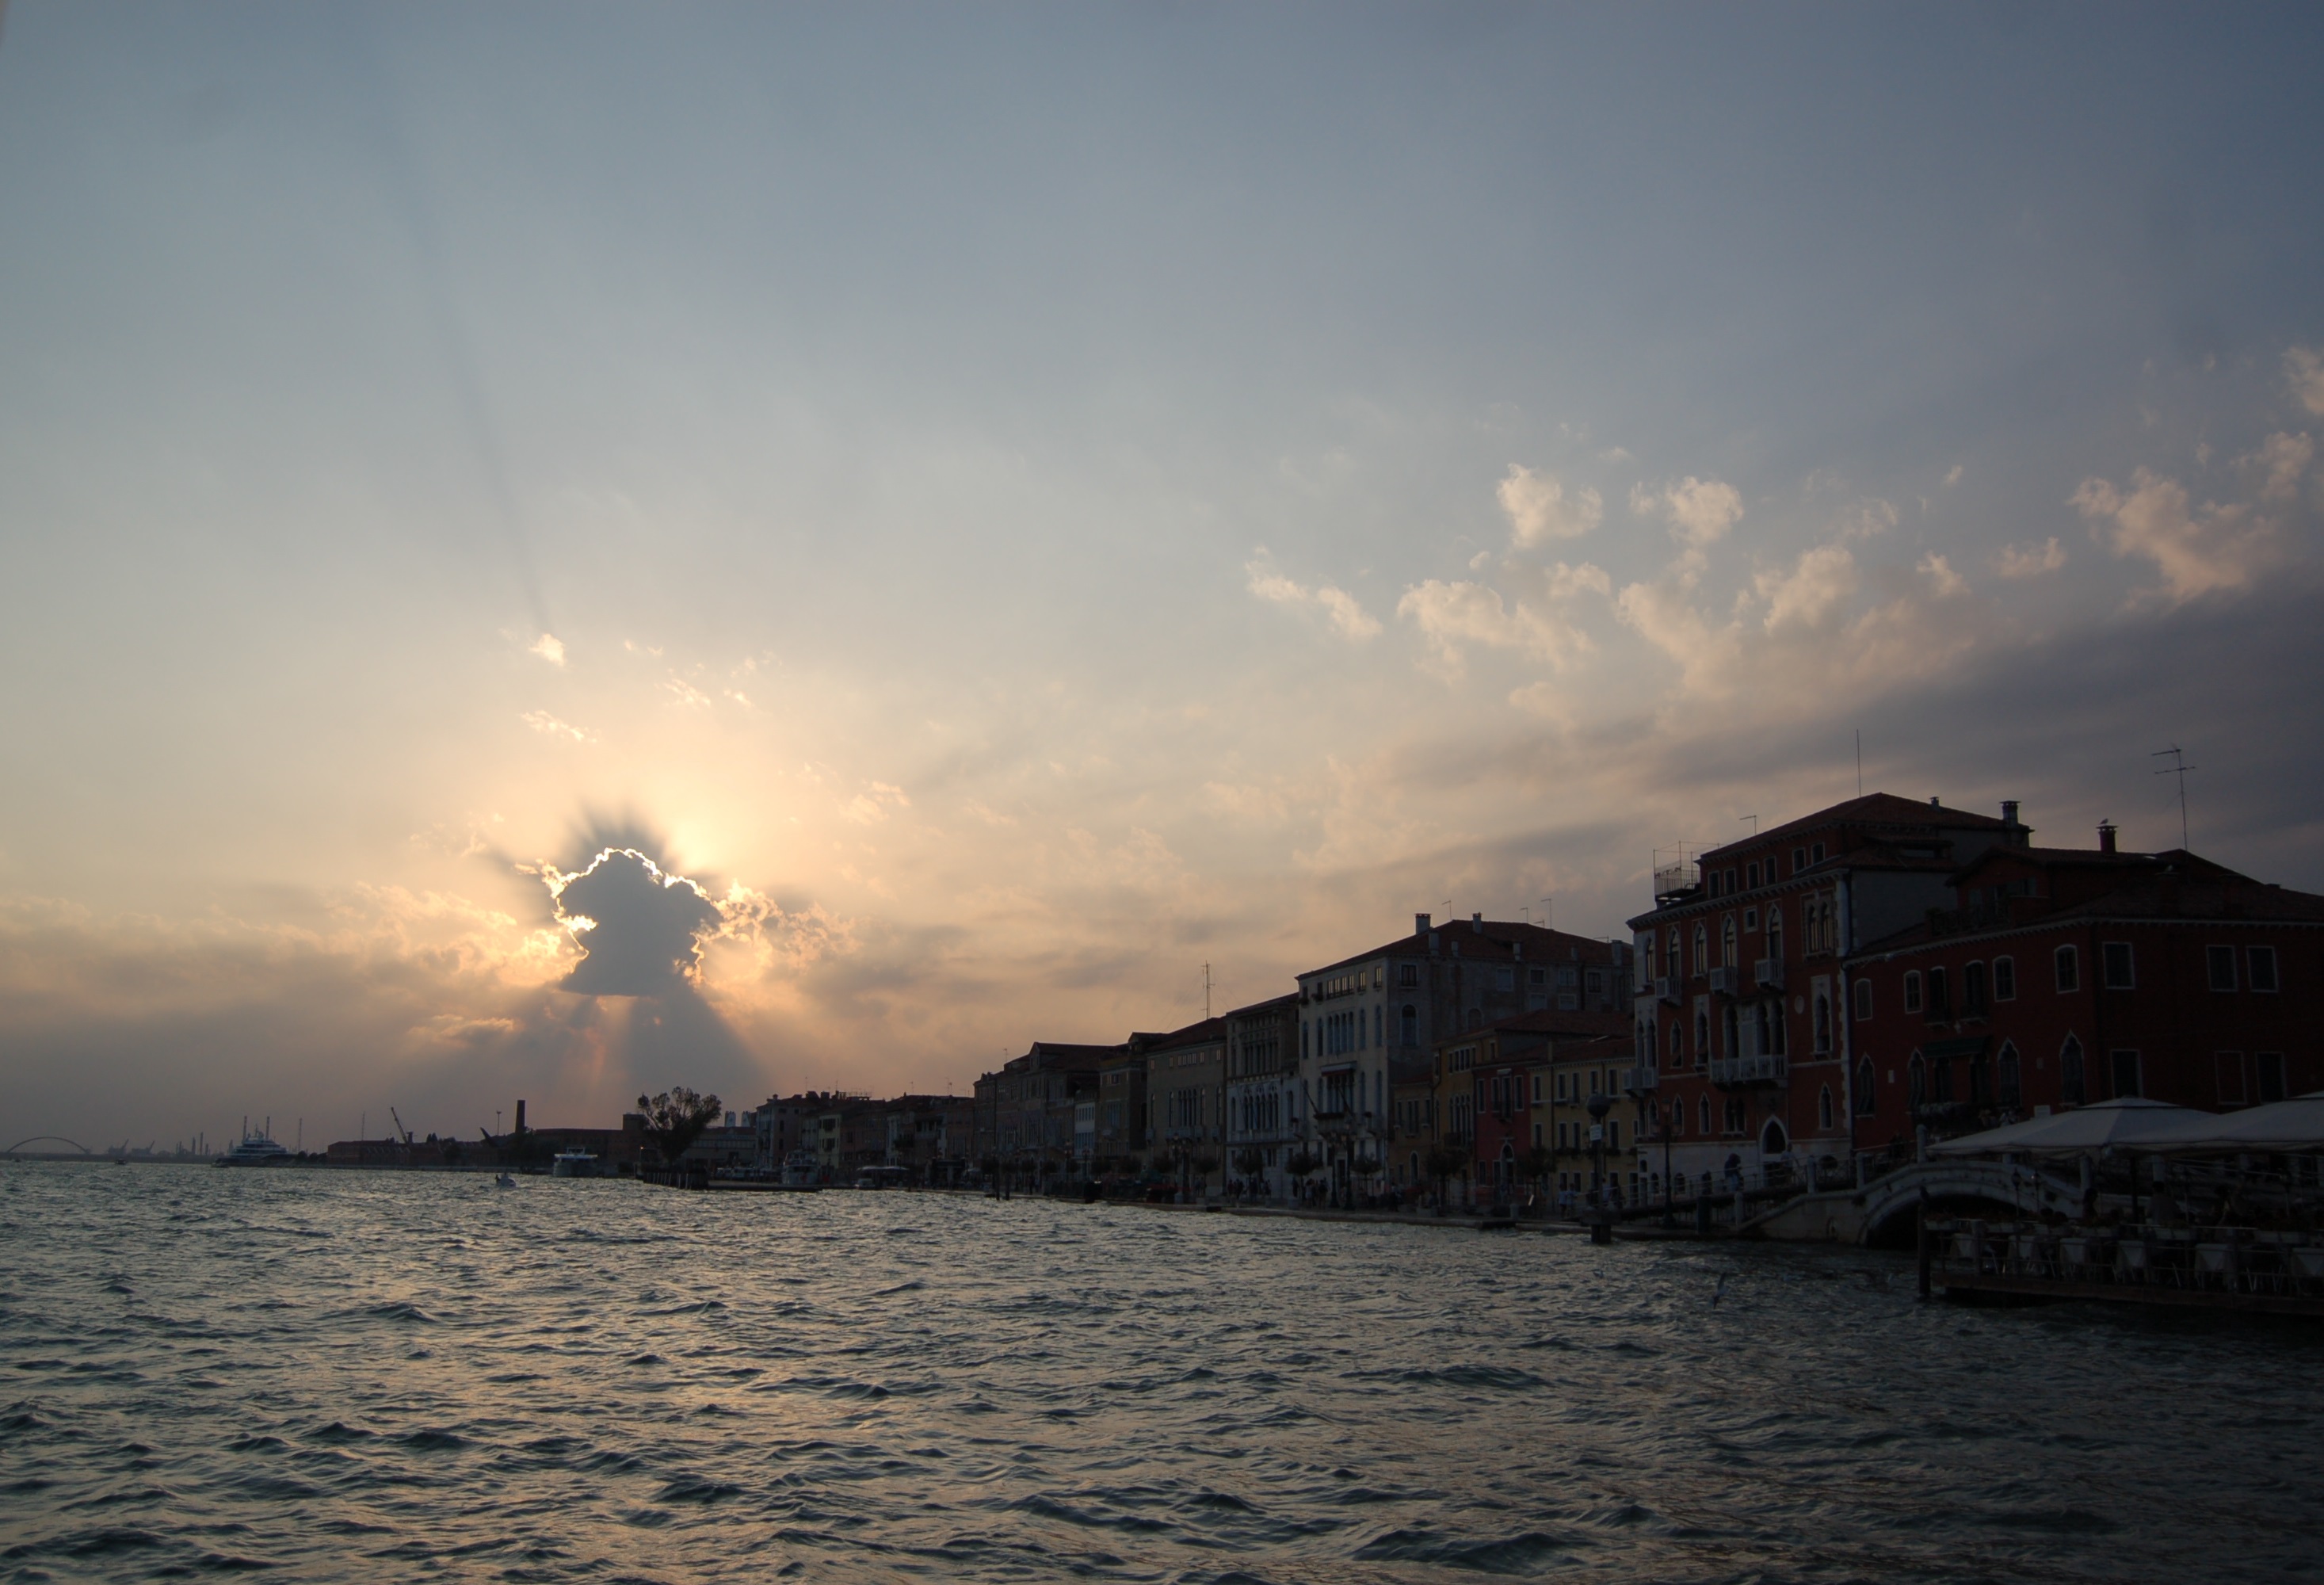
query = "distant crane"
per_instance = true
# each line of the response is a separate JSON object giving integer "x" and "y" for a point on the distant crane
{"x": 399, "y": 1124}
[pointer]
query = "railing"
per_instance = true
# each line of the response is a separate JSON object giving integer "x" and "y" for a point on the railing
{"x": 1767, "y": 974}
{"x": 1672, "y": 879}
{"x": 1752, "y": 1068}
{"x": 1641, "y": 1079}
{"x": 1723, "y": 981}
{"x": 1667, "y": 989}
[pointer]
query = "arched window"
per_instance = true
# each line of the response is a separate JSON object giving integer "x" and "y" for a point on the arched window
{"x": 2008, "y": 1077}
{"x": 1408, "y": 1021}
{"x": 1774, "y": 933}
{"x": 1704, "y": 1114}
{"x": 1867, "y": 1098}
{"x": 1677, "y": 1043}
{"x": 1701, "y": 1036}
{"x": 1727, "y": 942}
{"x": 2073, "y": 1084}
{"x": 1823, "y": 1020}
{"x": 1823, "y": 1109}
{"x": 2069, "y": 967}
{"x": 1701, "y": 951}
{"x": 1678, "y": 1120}
{"x": 1916, "y": 1087}
{"x": 1772, "y": 1140}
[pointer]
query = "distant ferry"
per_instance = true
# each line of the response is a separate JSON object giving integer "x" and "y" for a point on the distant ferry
{"x": 573, "y": 1164}
{"x": 254, "y": 1150}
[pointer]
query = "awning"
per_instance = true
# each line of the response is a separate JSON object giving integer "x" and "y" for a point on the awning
{"x": 2128, "y": 1121}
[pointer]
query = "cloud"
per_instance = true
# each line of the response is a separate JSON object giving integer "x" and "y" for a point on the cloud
{"x": 1349, "y": 619}
{"x": 1943, "y": 581}
{"x": 1700, "y": 510}
{"x": 686, "y": 693}
{"x": 2030, "y": 560}
{"x": 641, "y": 931}
{"x": 2282, "y": 459}
{"x": 2303, "y": 371}
{"x": 548, "y": 725}
{"x": 1453, "y": 614}
{"x": 2213, "y": 549}
{"x": 875, "y": 804}
{"x": 549, "y": 647}
{"x": 1804, "y": 596}
{"x": 1953, "y": 476}
{"x": 1538, "y": 509}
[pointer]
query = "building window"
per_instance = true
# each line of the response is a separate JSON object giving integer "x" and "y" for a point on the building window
{"x": 1677, "y": 1045}
{"x": 1774, "y": 934}
{"x": 1408, "y": 974}
{"x": 2008, "y": 1079}
{"x": 2124, "y": 1065}
{"x": 2114, "y": 957}
{"x": 2073, "y": 1084}
{"x": 2269, "y": 1065}
{"x": 1705, "y": 1110}
{"x": 2230, "y": 1067}
{"x": 2004, "y": 979}
{"x": 2221, "y": 960}
{"x": 1916, "y": 1074}
{"x": 1701, "y": 950}
{"x": 1678, "y": 1120}
{"x": 1727, "y": 944}
{"x": 1862, "y": 994}
{"x": 1973, "y": 990}
{"x": 1408, "y": 1024}
{"x": 1868, "y": 1095}
{"x": 1799, "y": 859}
{"x": 1823, "y": 1109}
{"x": 1816, "y": 853}
{"x": 2069, "y": 965}
{"x": 1823, "y": 1020}
{"x": 1595, "y": 983}
{"x": 1940, "y": 996}
{"x": 1701, "y": 1036}
{"x": 1912, "y": 990}
{"x": 1751, "y": 876}
{"x": 2261, "y": 961}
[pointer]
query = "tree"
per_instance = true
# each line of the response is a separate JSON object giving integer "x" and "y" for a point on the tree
{"x": 1251, "y": 1161}
{"x": 675, "y": 1119}
{"x": 1539, "y": 1162}
{"x": 1446, "y": 1159}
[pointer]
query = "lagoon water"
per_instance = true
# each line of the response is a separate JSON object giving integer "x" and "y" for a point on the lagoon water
{"x": 371, "y": 1375}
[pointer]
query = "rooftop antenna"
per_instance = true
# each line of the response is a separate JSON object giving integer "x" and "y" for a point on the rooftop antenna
{"x": 2178, "y": 768}
{"x": 1548, "y": 913}
{"x": 1207, "y": 993}
{"x": 1859, "y": 761}
{"x": 1754, "y": 819}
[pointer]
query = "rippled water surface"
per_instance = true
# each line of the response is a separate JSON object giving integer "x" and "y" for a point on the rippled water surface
{"x": 350, "y": 1376}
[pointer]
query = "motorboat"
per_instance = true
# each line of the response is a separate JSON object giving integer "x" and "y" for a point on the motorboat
{"x": 573, "y": 1164}
{"x": 254, "y": 1150}
{"x": 504, "y": 1182}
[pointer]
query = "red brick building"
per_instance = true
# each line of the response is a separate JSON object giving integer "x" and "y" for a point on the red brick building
{"x": 2058, "y": 976}
{"x": 1741, "y": 979}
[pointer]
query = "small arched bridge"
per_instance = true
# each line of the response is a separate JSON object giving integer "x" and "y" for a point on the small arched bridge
{"x": 36, "y": 1139}
{"x": 1875, "y": 1212}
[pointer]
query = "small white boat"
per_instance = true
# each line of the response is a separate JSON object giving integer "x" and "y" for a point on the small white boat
{"x": 573, "y": 1164}
{"x": 504, "y": 1182}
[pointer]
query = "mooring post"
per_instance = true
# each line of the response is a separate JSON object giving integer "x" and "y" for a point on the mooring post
{"x": 1921, "y": 1223}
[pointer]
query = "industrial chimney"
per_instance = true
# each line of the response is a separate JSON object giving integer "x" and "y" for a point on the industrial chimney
{"x": 520, "y": 1116}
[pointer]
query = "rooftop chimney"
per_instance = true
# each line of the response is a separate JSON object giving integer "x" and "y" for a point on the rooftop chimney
{"x": 2009, "y": 811}
{"x": 2106, "y": 837}
{"x": 1936, "y": 803}
{"x": 1420, "y": 924}
{"x": 1476, "y": 923}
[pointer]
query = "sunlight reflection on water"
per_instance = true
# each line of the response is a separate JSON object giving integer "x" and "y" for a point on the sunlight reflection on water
{"x": 356, "y": 1376}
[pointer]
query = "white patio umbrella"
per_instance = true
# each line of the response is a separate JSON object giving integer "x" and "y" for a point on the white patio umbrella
{"x": 2129, "y": 1121}
{"x": 2279, "y": 1125}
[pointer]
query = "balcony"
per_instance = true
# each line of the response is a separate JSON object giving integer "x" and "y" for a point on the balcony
{"x": 1767, "y": 974}
{"x": 1757, "y": 1068}
{"x": 1725, "y": 982}
{"x": 1641, "y": 1079}
{"x": 1667, "y": 989}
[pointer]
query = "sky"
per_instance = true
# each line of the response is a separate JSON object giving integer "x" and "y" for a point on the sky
{"x": 937, "y": 522}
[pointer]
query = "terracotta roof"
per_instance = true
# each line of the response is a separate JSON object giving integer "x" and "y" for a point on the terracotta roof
{"x": 1272, "y": 1004}
{"x": 1872, "y": 809}
{"x": 1195, "y": 1034}
{"x": 1498, "y": 942}
{"x": 2161, "y": 896}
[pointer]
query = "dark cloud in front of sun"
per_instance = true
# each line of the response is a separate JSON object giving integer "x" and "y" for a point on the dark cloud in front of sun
{"x": 646, "y": 928}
